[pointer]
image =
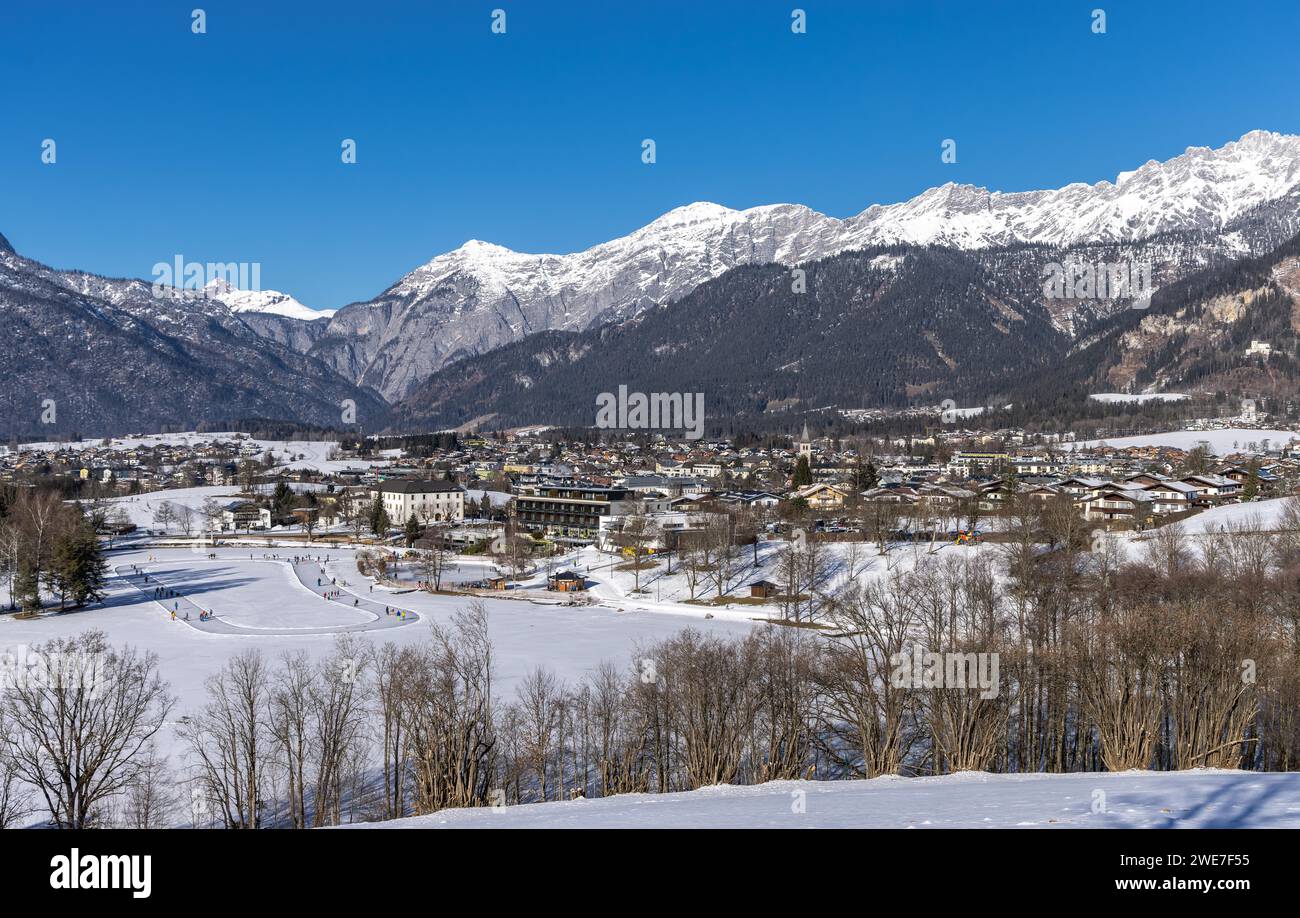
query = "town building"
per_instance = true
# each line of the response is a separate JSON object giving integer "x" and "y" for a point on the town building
{"x": 428, "y": 501}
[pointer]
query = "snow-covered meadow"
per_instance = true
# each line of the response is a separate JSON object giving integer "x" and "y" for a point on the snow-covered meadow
{"x": 1112, "y": 398}
{"x": 1203, "y": 798}
{"x": 292, "y": 454}
{"x": 572, "y": 641}
{"x": 257, "y": 592}
{"x": 1220, "y": 442}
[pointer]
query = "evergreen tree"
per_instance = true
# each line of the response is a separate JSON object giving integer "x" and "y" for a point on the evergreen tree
{"x": 79, "y": 567}
{"x": 27, "y": 586}
{"x": 802, "y": 473}
{"x": 413, "y": 530}
{"x": 379, "y": 522}
{"x": 1250, "y": 490}
{"x": 283, "y": 499}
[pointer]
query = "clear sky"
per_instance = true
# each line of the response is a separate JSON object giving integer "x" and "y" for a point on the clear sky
{"x": 225, "y": 146}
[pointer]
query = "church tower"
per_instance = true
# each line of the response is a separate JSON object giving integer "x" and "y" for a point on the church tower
{"x": 805, "y": 444}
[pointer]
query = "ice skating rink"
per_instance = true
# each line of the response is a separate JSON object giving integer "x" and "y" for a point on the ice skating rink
{"x": 266, "y": 605}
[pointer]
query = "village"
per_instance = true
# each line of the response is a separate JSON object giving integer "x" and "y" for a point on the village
{"x": 517, "y": 500}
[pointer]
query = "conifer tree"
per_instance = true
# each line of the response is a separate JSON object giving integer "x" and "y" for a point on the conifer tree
{"x": 379, "y": 522}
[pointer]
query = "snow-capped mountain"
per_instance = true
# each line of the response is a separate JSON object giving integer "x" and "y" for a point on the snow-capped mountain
{"x": 1203, "y": 189}
{"x": 113, "y": 357}
{"x": 481, "y": 295}
{"x": 883, "y": 330}
{"x": 259, "y": 352}
{"x": 269, "y": 302}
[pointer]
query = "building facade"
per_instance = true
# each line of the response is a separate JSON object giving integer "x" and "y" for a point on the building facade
{"x": 428, "y": 501}
{"x": 569, "y": 511}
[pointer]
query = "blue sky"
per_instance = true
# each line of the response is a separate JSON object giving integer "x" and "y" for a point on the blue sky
{"x": 226, "y": 146}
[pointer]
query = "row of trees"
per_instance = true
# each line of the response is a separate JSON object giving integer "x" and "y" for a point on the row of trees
{"x": 46, "y": 544}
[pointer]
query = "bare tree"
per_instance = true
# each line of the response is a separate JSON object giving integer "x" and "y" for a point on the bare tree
{"x": 717, "y": 552}
{"x": 164, "y": 514}
{"x": 540, "y": 709}
{"x": 637, "y": 534}
{"x": 289, "y": 717}
{"x": 434, "y": 563}
{"x": 712, "y": 704}
{"x": 390, "y": 669}
{"x": 230, "y": 738}
{"x": 789, "y": 705}
{"x": 339, "y": 716}
{"x": 864, "y": 723}
{"x": 184, "y": 518}
{"x": 449, "y": 718}
{"x": 15, "y": 798}
{"x": 694, "y": 564}
{"x": 1168, "y": 550}
{"x": 211, "y": 514}
{"x": 76, "y": 729}
{"x": 618, "y": 735}
{"x": 151, "y": 799}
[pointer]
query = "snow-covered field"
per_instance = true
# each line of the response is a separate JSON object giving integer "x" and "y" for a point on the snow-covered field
{"x": 261, "y": 594}
{"x": 670, "y": 592}
{"x": 1268, "y": 513}
{"x": 293, "y": 454}
{"x": 1111, "y": 398}
{"x": 571, "y": 641}
{"x": 1221, "y": 442}
{"x": 1129, "y": 800}
{"x": 140, "y": 508}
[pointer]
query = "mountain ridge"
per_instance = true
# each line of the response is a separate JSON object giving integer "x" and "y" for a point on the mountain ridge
{"x": 482, "y": 295}
{"x": 107, "y": 356}
{"x": 1194, "y": 212}
{"x": 891, "y": 327}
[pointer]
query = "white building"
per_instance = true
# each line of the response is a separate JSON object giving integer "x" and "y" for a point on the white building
{"x": 428, "y": 501}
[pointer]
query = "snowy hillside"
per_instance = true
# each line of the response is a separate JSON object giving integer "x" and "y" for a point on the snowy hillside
{"x": 1269, "y": 514}
{"x": 293, "y": 454}
{"x": 1112, "y": 398}
{"x": 140, "y": 509}
{"x": 1221, "y": 442}
{"x": 1130, "y": 800}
